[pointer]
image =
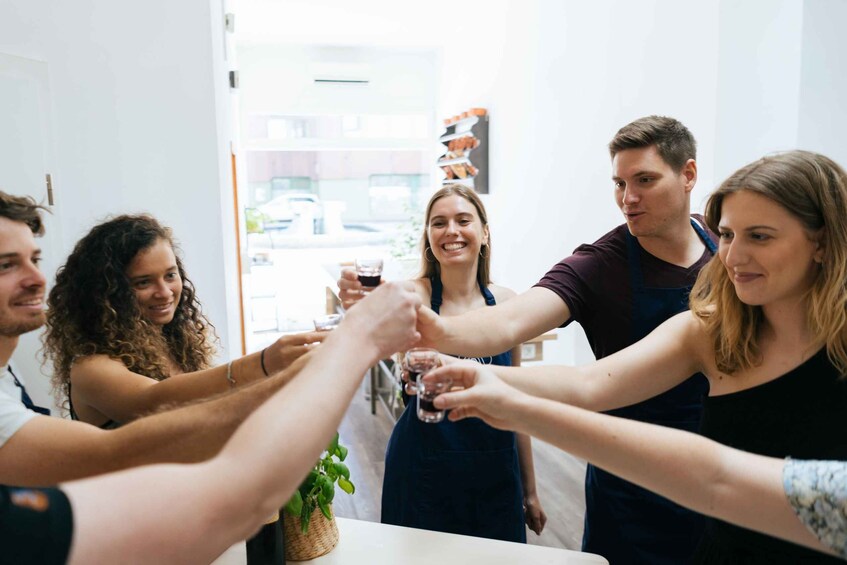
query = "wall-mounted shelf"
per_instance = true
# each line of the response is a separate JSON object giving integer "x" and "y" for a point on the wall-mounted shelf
{"x": 465, "y": 160}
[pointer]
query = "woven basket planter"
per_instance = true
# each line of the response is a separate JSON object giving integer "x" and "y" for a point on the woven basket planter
{"x": 321, "y": 538}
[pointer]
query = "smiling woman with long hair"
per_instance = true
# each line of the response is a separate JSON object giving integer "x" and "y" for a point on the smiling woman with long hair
{"x": 123, "y": 317}
{"x": 502, "y": 500}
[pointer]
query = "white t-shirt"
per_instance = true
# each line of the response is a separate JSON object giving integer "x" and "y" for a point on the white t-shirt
{"x": 13, "y": 413}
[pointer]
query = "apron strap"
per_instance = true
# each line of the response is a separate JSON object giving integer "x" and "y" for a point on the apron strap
{"x": 25, "y": 398}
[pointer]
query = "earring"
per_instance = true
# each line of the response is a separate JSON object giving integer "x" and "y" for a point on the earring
{"x": 428, "y": 260}
{"x": 485, "y": 247}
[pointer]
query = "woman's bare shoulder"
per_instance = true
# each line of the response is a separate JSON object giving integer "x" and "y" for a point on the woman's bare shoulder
{"x": 88, "y": 363}
{"x": 501, "y": 293}
{"x": 424, "y": 289}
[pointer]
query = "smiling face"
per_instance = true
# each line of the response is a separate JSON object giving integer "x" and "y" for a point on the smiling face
{"x": 154, "y": 278}
{"x": 455, "y": 231}
{"x": 651, "y": 195}
{"x": 21, "y": 282}
{"x": 769, "y": 255}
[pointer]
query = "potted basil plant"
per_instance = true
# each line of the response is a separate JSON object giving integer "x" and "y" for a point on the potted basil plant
{"x": 309, "y": 528}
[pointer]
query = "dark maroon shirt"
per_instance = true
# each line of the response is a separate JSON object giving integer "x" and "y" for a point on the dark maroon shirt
{"x": 594, "y": 282}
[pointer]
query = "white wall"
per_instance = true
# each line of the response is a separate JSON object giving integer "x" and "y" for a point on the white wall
{"x": 823, "y": 95}
{"x": 135, "y": 113}
{"x": 565, "y": 77}
{"x": 759, "y": 80}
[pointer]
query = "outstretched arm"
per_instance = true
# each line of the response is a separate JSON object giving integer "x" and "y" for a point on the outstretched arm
{"x": 667, "y": 356}
{"x": 481, "y": 332}
{"x": 113, "y": 391}
{"x": 191, "y": 513}
{"x": 710, "y": 478}
{"x": 46, "y": 451}
{"x": 488, "y": 331}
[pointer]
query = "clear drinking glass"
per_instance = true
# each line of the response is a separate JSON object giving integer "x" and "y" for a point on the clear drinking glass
{"x": 369, "y": 272}
{"x": 327, "y": 323}
{"x": 427, "y": 392}
{"x": 418, "y": 362}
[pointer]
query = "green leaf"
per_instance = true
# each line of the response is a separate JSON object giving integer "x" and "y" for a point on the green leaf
{"x": 333, "y": 445}
{"x": 346, "y": 485}
{"x": 308, "y": 508}
{"x": 328, "y": 491}
{"x": 295, "y": 504}
{"x": 309, "y": 482}
{"x": 341, "y": 452}
{"x": 342, "y": 470}
{"x": 324, "y": 506}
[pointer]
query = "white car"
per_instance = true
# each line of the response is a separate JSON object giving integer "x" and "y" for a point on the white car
{"x": 284, "y": 208}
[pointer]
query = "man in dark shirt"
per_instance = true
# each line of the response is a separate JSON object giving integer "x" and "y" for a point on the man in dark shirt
{"x": 619, "y": 289}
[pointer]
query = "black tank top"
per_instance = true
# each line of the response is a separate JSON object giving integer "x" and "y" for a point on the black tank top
{"x": 802, "y": 414}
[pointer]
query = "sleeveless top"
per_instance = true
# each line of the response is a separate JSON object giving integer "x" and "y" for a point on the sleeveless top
{"x": 803, "y": 415}
{"x": 107, "y": 425}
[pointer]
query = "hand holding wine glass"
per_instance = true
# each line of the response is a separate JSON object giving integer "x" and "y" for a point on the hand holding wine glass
{"x": 483, "y": 395}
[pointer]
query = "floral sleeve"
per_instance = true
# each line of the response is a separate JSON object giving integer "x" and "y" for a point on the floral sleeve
{"x": 817, "y": 490}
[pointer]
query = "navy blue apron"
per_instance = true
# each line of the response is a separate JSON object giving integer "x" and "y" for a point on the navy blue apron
{"x": 25, "y": 398}
{"x": 623, "y": 522}
{"x": 456, "y": 477}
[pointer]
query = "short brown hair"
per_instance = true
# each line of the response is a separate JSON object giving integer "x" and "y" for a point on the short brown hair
{"x": 674, "y": 142}
{"x": 22, "y": 209}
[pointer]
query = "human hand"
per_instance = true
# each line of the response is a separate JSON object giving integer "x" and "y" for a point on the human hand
{"x": 431, "y": 327}
{"x": 350, "y": 290}
{"x": 284, "y": 351}
{"x": 485, "y": 396}
{"x": 386, "y": 318}
{"x": 534, "y": 514}
{"x": 409, "y": 385}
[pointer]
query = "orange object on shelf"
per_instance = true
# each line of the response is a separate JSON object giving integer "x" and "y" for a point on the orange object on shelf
{"x": 479, "y": 111}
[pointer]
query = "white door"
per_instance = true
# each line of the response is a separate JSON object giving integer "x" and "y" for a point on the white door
{"x": 25, "y": 158}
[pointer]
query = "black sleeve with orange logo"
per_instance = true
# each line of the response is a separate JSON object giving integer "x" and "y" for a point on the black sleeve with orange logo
{"x": 36, "y": 526}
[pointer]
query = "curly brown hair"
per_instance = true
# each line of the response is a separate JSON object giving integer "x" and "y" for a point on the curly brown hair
{"x": 92, "y": 308}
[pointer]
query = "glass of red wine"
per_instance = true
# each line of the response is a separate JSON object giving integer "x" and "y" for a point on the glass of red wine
{"x": 327, "y": 323}
{"x": 369, "y": 272}
{"x": 418, "y": 362}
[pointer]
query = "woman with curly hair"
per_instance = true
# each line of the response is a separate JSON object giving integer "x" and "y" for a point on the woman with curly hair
{"x": 126, "y": 332}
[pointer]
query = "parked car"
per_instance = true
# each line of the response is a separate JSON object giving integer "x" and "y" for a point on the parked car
{"x": 281, "y": 210}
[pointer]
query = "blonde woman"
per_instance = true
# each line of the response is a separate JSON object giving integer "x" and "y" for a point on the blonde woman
{"x": 768, "y": 328}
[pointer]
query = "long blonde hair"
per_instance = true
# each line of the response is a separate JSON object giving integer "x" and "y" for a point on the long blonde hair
{"x": 813, "y": 188}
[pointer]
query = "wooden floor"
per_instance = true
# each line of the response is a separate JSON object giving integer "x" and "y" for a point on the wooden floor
{"x": 558, "y": 475}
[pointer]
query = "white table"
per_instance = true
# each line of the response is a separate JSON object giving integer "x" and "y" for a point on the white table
{"x": 370, "y": 543}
